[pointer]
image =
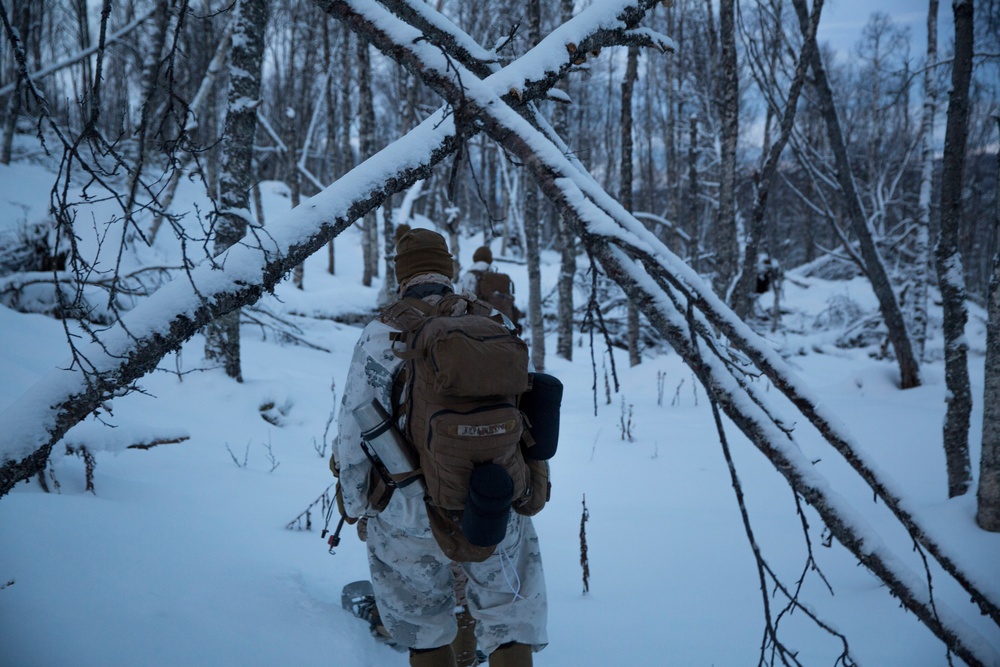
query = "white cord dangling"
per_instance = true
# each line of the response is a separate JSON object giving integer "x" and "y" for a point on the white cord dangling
{"x": 516, "y": 590}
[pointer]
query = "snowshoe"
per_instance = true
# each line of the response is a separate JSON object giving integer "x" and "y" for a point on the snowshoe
{"x": 358, "y": 597}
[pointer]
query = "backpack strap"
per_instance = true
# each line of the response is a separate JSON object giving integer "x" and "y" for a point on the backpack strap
{"x": 405, "y": 314}
{"x": 447, "y": 304}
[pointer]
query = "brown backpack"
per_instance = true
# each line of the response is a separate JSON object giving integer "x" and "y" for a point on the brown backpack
{"x": 459, "y": 387}
{"x": 497, "y": 289}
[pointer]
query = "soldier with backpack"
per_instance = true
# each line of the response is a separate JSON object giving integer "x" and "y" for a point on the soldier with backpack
{"x": 492, "y": 287}
{"x": 433, "y": 449}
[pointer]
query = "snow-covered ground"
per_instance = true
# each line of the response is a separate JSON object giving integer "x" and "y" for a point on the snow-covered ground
{"x": 181, "y": 555}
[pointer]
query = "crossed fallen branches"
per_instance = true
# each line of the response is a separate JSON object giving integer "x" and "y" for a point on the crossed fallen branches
{"x": 482, "y": 97}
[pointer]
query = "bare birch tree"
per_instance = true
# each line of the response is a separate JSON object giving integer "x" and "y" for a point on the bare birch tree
{"x": 625, "y": 190}
{"x": 532, "y": 229}
{"x": 892, "y": 315}
{"x": 746, "y": 283}
{"x": 951, "y": 275}
{"x": 366, "y": 148}
{"x": 222, "y": 337}
{"x": 988, "y": 493}
{"x": 921, "y": 244}
{"x": 566, "y": 240}
{"x": 728, "y": 94}
{"x": 22, "y": 17}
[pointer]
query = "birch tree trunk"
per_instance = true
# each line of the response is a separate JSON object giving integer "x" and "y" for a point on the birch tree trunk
{"x": 694, "y": 224}
{"x": 892, "y": 315}
{"x": 11, "y": 113}
{"x": 366, "y": 148}
{"x": 988, "y": 495}
{"x": 670, "y": 132}
{"x": 86, "y": 75}
{"x": 345, "y": 152}
{"x": 536, "y": 321}
{"x": 726, "y": 244}
{"x": 742, "y": 301}
{"x": 331, "y": 130}
{"x": 625, "y": 190}
{"x": 922, "y": 245}
{"x": 951, "y": 276}
{"x": 222, "y": 337}
{"x": 294, "y": 183}
{"x": 566, "y": 238}
{"x": 23, "y": 19}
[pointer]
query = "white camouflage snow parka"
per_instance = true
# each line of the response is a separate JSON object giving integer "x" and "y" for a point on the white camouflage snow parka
{"x": 412, "y": 578}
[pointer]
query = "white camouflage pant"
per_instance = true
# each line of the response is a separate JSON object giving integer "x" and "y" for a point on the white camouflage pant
{"x": 414, "y": 587}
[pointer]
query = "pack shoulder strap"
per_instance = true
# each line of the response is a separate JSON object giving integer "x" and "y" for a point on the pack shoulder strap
{"x": 405, "y": 314}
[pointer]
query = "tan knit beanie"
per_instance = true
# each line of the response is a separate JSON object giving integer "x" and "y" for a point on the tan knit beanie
{"x": 422, "y": 251}
{"x": 483, "y": 254}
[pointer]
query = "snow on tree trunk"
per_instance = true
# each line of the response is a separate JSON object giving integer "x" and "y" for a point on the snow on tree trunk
{"x": 988, "y": 496}
{"x": 223, "y": 335}
{"x": 729, "y": 117}
{"x": 892, "y": 315}
{"x": 625, "y": 190}
{"x": 920, "y": 279}
{"x": 951, "y": 276}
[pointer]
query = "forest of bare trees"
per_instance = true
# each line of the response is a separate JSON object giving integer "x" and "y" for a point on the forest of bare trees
{"x": 736, "y": 143}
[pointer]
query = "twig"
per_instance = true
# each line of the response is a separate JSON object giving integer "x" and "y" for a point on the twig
{"x": 584, "y": 563}
{"x": 306, "y": 516}
{"x": 156, "y": 443}
{"x": 677, "y": 394}
{"x": 246, "y": 455}
{"x": 89, "y": 463}
{"x": 270, "y": 454}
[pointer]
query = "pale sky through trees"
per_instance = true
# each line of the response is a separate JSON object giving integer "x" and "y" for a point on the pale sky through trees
{"x": 844, "y": 20}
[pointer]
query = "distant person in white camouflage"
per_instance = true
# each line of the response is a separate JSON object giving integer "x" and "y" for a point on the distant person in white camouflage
{"x": 490, "y": 286}
{"x": 482, "y": 261}
{"x": 412, "y": 577}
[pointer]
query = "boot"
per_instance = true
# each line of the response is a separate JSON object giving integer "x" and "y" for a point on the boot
{"x": 442, "y": 656}
{"x": 511, "y": 655}
{"x": 464, "y": 643}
